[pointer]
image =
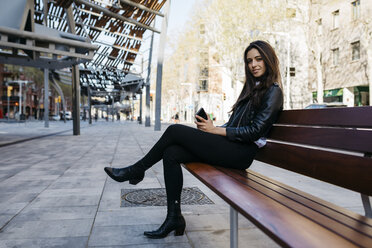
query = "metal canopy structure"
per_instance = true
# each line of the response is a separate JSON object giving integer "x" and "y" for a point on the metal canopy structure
{"x": 106, "y": 39}
{"x": 103, "y": 37}
{"x": 117, "y": 27}
{"x": 24, "y": 42}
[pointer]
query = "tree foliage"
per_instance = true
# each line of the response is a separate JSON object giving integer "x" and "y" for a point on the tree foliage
{"x": 232, "y": 25}
{"x": 224, "y": 29}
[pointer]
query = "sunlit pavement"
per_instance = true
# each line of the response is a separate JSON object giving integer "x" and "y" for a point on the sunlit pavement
{"x": 54, "y": 192}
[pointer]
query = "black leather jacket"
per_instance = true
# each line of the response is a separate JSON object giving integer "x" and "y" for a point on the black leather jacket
{"x": 248, "y": 125}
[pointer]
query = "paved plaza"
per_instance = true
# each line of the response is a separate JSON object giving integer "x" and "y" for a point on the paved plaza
{"x": 54, "y": 192}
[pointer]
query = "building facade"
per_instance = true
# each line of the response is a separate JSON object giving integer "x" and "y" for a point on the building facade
{"x": 325, "y": 53}
{"x": 340, "y": 45}
{"x": 22, "y": 98}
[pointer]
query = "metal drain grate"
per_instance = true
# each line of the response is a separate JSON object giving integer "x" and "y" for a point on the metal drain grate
{"x": 157, "y": 197}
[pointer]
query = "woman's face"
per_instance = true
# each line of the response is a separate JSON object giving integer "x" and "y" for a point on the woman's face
{"x": 256, "y": 64}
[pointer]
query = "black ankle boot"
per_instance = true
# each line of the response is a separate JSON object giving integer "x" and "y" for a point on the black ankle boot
{"x": 173, "y": 222}
{"x": 134, "y": 174}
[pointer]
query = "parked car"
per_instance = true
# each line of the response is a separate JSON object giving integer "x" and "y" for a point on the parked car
{"x": 326, "y": 105}
{"x": 55, "y": 117}
{"x": 68, "y": 115}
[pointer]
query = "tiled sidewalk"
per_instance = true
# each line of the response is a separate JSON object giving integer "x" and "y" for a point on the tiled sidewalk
{"x": 54, "y": 193}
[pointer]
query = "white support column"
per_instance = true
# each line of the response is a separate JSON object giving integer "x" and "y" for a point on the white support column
{"x": 46, "y": 97}
{"x": 147, "y": 108}
{"x": 141, "y": 109}
{"x": 89, "y": 104}
{"x": 76, "y": 100}
{"x": 75, "y": 79}
{"x": 112, "y": 108}
{"x": 233, "y": 228}
{"x": 20, "y": 100}
{"x": 159, "y": 73}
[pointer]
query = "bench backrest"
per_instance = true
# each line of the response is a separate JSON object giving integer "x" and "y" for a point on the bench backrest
{"x": 332, "y": 144}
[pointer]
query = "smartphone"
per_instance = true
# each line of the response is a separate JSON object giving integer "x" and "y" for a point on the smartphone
{"x": 202, "y": 114}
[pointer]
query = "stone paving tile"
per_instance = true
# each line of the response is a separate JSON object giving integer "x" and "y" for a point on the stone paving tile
{"x": 128, "y": 235}
{"x": 27, "y": 187}
{"x": 12, "y": 208}
{"x": 28, "y": 177}
{"x": 76, "y": 182}
{"x": 20, "y": 197}
{"x": 213, "y": 221}
{"x": 56, "y": 194}
{"x": 5, "y": 196}
{"x": 248, "y": 238}
{"x": 47, "y": 229}
{"x": 56, "y": 213}
{"x": 89, "y": 172}
{"x": 66, "y": 201}
{"x": 71, "y": 192}
{"x": 5, "y": 218}
{"x": 65, "y": 242}
{"x": 131, "y": 216}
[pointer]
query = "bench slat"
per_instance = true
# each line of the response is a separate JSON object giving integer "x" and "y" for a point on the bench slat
{"x": 307, "y": 199}
{"x": 347, "y": 117}
{"x": 338, "y": 138}
{"x": 344, "y": 170}
{"x": 324, "y": 213}
{"x": 287, "y": 227}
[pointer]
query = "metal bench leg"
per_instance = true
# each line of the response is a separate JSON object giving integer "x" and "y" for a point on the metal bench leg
{"x": 233, "y": 228}
{"x": 366, "y": 205}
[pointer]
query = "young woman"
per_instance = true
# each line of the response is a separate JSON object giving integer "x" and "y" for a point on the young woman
{"x": 233, "y": 145}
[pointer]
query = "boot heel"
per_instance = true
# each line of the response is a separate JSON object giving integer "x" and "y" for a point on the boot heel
{"x": 135, "y": 181}
{"x": 179, "y": 231}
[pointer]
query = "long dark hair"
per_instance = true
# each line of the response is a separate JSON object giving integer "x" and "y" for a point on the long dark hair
{"x": 250, "y": 90}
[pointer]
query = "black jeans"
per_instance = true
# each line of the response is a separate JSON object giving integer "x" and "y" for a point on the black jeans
{"x": 183, "y": 144}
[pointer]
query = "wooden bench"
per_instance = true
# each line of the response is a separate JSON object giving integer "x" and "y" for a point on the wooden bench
{"x": 331, "y": 145}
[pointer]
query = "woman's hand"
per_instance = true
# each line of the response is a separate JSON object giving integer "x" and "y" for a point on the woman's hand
{"x": 203, "y": 124}
{"x": 207, "y": 126}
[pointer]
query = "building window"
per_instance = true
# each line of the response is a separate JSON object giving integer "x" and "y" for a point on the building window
{"x": 355, "y": 50}
{"x": 202, "y": 29}
{"x": 203, "y": 84}
{"x": 292, "y": 71}
{"x": 356, "y": 9}
{"x": 204, "y": 72}
{"x": 335, "y": 18}
{"x": 203, "y": 79}
{"x": 204, "y": 57}
{"x": 335, "y": 55}
{"x": 319, "y": 27}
